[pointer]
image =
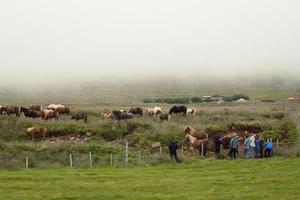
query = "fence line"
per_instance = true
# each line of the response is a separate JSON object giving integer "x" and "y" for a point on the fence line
{"x": 140, "y": 158}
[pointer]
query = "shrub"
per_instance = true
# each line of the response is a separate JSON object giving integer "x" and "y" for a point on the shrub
{"x": 196, "y": 100}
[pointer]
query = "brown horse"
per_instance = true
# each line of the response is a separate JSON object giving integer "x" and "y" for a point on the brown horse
{"x": 64, "y": 110}
{"x": 49, "y": 114}
{"x": 8, "y": 110}
{"x": 164, "y": 117}
{"x": 136, "y": 111}
{"x": 35, "y": 108}
{"x": 40, "y": 131}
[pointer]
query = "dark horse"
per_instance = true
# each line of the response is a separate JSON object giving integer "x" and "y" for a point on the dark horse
{"x": 29, "y": 113}
{"x": 79, "y": 116}
{"x": 122, "y": 115}
{"x": 178, "y": 109}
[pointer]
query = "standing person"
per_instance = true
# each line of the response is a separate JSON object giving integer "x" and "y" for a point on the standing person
{"x": 217, "y": 143}
{"x": 246, "y": 147}
{"x": 234, "y": 146}
{"x": 268, "y": 148}
{"x": 257, "y": 146}
{"x": 252, "y": 146}
{"x": 261, "y": 144}
{"x": 173, "y": 150}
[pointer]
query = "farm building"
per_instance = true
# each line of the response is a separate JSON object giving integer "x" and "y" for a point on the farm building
{"x": 214, "y": 98}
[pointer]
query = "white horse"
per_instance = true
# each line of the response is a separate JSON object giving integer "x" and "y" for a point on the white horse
{"x": 150, "y": 111}
{"x": 157, "y": 110}
{"x": 55, "y": 106}
{"x": 191, "y": 111}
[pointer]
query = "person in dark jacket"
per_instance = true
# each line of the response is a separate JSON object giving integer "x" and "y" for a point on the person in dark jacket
{"x": 217, "y": 143}
{"x": 261, "y": 150}
{"x": 257, "y": 146}
{"x": 173, "y": 150}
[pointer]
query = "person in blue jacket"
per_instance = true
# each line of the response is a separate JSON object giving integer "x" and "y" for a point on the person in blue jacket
{"x": 268, "y": 148}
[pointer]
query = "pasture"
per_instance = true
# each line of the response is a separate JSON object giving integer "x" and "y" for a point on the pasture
{"x": 108, "y": 137}
{"x": 277, "y": 120}
{"x": 276, "y": 178}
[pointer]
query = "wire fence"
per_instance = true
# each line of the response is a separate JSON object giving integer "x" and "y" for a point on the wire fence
{"x": 128, "y": 158}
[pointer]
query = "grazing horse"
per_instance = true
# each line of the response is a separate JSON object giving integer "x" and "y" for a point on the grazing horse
{"x": 59, "y": 108}
{"x": 24, "y": 111}
{"x": 157, "y": 110}
{"x": 164, "y": 116}
{"x": 55, "y": 106}
{"x": 40, "y": 131}
{"x": 150, "y": 111}
{"x": 64, "y": 110}
{"x": 49, "y": 114}
{"x": 8, "y": 110}
{"x": 191, "y": 111}
{"x": 122, "y": 115}
{"x": 178, "y": 109}
{"x": 79, "y": 116}
{"x": 136, "y": 111}
{"x": 107, "y": 116}
{"x": 35, "y": 108}
{"x": 29, "y": 113}
{"x": 154, "y": 111}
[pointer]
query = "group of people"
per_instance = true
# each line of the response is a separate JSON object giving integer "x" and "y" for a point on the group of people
{"x": 257, "y": 147}
{"x": 254, "y": 147}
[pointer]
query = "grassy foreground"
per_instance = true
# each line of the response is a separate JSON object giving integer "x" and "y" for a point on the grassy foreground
{"x": 276, "y": 178}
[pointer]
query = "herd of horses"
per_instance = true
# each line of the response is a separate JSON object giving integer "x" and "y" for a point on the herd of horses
{"x": 53, "y": 111}
{"x": 35, "y": 111}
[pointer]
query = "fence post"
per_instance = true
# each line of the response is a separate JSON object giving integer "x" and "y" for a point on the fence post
{"x": 160, "y": 150}
{"x": 140, "y": 161}
{"x": 71, "y": 161}
{"x": 126, "y": 153}
{"x": 221, "y": 149}
{"x": 277, "y": 146}
{"x": 26, "y": 162}
{"x": 111, "y": 159}
{"x": 90, "y": 158}
{"x": 182, "y": 150}
{"x": 202, "y": 149}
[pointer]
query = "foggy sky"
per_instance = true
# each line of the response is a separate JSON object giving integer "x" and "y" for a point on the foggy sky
{"x": 44, "y": 41}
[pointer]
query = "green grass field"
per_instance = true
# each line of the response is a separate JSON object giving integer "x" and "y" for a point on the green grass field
{"x": 276, "y": 178}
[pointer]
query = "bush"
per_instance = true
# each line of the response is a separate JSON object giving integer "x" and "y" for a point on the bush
{"x": 196, "y": 100}
{"x": 236, "y": 97}
{"x": 179, "y": 100}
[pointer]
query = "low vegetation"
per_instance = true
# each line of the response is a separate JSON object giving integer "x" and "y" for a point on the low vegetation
{"x": 187, "y": 100}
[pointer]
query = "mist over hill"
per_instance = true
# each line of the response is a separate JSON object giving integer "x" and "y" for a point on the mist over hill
{"x": 124, "y": 91}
